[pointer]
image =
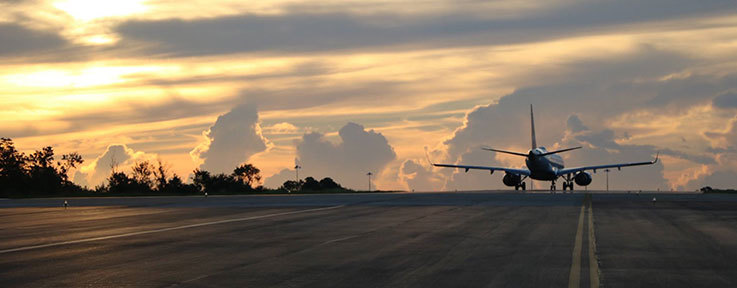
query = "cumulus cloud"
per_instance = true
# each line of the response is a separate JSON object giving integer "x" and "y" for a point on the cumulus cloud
{"x": 234, "y": 138}
{"x": 118, "y": 156}
{"x": 419, "y": 177}
{"x": 347, "y": 162}
{"x": 276, "y": 180}
{"x": 600, "y": 147}
{"x": 721, "y": 173}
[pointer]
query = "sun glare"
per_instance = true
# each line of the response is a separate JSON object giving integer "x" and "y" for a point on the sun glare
{"x": 86, "y": 10}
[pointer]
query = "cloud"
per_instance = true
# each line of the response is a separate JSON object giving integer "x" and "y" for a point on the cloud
{"x": 304, "y": 30}
{"x": 575, "y": 125}
{"x": 419, "y": 177}
{"x": 234, "y": 138}
{"x": 347, "y": 162}
{"x": 171, "y": 108}
{"x": 458, "y": 179}
{"x": 118, "y": 156}
{"x": 276, "y": 180}
{"x": 281, "y": 128}
{"x": 723, "y": 173}
{"x": 725, "y": 100}
{"x": 21, "y": 41}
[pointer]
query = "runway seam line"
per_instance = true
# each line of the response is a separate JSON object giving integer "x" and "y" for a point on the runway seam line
{"x": 166, "y": 229}
{"x": 593, "y": 261}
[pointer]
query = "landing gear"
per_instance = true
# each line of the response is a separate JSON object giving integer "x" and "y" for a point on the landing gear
{"x": 552, "y": 187}
{"x": 522, "y": 186}
{"x": 567, "y": 185}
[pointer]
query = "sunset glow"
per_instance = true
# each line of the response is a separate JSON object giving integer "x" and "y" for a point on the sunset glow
{"x": 155, "y": 75}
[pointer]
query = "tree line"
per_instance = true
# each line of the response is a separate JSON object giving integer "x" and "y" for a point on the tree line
{"x": 42, "y": 173}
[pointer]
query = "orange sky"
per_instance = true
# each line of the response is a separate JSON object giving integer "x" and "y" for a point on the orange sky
{"x": 154, "y": 76}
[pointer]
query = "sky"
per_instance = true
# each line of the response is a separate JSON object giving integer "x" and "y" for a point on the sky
{"x": 343, "y": 88}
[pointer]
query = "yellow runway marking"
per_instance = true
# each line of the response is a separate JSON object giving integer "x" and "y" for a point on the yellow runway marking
{"x": 574, "y": 279}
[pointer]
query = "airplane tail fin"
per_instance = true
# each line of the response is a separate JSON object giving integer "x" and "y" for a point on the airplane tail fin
{"x": 532, "y": 128}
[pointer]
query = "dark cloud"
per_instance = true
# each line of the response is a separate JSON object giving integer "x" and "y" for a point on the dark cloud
{"x": 172, "y": 108}
{"x": 347, "y": 162}
{"x": 575, "y": 125}
{"x": 304, "y": 69}
{"x": 233, "y": 138}
{"x": 725, "y": 100}
{"x": 312, "y": 94}
{"x": 306, "y": 31}
{"x": 10, "y": 132}
{"x": 602, "y": 139}
{"x": 20, "y": 41}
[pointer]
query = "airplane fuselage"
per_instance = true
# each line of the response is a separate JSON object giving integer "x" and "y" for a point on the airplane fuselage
{"x": 545, "y": 167}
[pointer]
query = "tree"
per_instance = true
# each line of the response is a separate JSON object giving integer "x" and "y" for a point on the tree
{"x": 310, "y": 184}
{"x": 327, "y": 183}
{"x": 201, "y": 179}
{"x": 142, "y": 172}
{"x": 45, "y": 177}
{"x": 43, "y": 158}
{"x": 247, "y": 174}
{"x": 68, "y": 162}
{"x": 11, "y": 161}
{"x": 119, "y": 182}
{"x": 13, "y": 177}
{"x": 161, "y": 176}
{"x": 291, "y": 186}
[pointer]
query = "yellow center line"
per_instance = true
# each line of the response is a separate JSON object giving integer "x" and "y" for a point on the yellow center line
{"x": 593, "y": 264}
{"x": 574, "y": 278}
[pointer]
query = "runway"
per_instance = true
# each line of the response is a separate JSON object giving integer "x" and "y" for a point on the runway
{"x": 453, "y": 239}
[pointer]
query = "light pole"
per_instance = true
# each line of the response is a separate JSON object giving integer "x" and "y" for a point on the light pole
{"x": 369, "y": 180}
{"x": 296, "y": 170}
{"x": 607, "y": 180}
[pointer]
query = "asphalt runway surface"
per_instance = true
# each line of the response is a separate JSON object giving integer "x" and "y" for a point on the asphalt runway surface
{"x": 454, "y": 239}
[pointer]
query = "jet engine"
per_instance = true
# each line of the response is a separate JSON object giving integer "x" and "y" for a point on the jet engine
{"x": 583, "y": 179}
{"x": 512, "y": 179}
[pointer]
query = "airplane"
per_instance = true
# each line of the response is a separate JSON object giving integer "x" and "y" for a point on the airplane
{"x": 544, "y": 165}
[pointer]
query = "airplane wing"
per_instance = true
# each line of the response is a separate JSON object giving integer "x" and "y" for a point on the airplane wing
{"x": 491, "y": 169}
{"x": 597, "y": 167}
